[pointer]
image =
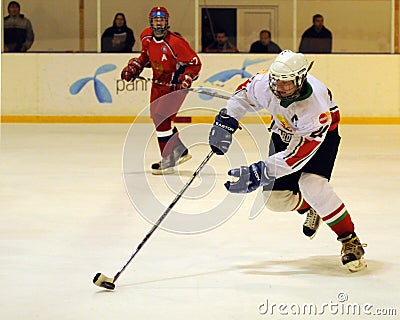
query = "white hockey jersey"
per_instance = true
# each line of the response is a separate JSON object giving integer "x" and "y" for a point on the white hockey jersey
{"x": 302, "y": 123}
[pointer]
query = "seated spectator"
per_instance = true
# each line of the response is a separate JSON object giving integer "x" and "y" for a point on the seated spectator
{"x": 221, "y": 44}
{"x": 317, "y": 38}
{"x": 118, "y": 38}
{"x": 264, "y": 45}
{"x": 18, "y": 32}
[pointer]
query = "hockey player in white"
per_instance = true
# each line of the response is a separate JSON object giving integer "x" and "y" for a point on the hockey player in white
{"x": 303, "y": 149}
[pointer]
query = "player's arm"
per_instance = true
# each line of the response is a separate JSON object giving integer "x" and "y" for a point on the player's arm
{"x": 300, "y": 150}
{"x": 227, "y": 120}
{"x": 135, "y": 65}
{"x": 243, "y": 99}
{"x": 187, "y": 57}
{"x": 263, "y": 173}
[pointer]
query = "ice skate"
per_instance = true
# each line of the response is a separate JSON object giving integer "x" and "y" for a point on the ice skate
{"x": 352, "y": 252}
{"x": 311, "y": 225}
{"x": 167, "y": 164}
{"x": 181, "y": 153}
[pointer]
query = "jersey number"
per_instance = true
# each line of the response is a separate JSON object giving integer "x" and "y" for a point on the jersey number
{"x": 319, "y": 133}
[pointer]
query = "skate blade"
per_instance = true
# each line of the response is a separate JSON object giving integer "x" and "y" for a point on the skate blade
{"x": 315, "y": 231}
{"x": 313, "y": 235}
{"x": 159, "y": 172}
{"x": 357, "y": 265}
{"x": 183, "y": 159}
{"x": 171, "y": 170}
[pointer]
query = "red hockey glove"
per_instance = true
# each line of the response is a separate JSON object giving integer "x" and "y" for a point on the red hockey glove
{"x": 185, "y": 80}
{"x": 132, "y": 70}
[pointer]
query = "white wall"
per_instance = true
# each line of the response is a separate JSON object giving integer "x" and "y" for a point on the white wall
{"x": 39, "y": 84}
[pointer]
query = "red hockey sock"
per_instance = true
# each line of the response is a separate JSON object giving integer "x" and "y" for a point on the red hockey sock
{"x": 167, "y": 141}
{"x": 340, "y": 221}
{"x": 301, "y": 206}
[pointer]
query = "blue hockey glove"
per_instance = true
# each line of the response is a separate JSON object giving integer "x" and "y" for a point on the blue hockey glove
{"x": 250, "y": 178}
{"x": 220, "y": 137}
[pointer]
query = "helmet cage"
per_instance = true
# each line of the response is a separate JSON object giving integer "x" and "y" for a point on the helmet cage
{"x": 298, "y": 81}
{"x": 159, "y": 12}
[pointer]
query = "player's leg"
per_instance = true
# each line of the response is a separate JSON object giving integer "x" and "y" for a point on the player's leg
{"x": 282, "y": 199}
{"x": 318, "y": 192}
{"x": 175, "y": 145}
{"x": 286, "y": 195}
{"x": 173, "y": 151}
{"x": 163, "y": 111}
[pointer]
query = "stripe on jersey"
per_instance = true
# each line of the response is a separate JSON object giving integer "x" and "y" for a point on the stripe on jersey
{"x": 335, "y": 115}
{"x": 333, "y": 109}
{"x": 236, "y": 92}
{"x": 170, "y": 48}
{"x": 304, "y": 150}
{"x": 242, "y": 86}
{"x": 336, "y": 216}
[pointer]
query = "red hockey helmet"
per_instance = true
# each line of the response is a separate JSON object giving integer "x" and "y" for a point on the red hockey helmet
{"x": 159, "y": 12}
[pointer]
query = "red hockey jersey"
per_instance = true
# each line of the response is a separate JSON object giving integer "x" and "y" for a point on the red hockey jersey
{"x": 168, "y": 57}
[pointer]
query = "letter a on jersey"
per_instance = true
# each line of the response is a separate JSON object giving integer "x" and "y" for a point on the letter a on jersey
{"x": 164, "y": 57}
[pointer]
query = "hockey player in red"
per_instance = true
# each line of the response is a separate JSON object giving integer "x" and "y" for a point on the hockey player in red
{"x": 175, "y": 66}
{"x": 304, "y": 144}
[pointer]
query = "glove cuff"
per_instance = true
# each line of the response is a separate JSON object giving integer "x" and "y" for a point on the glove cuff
{"x": 265, "y": 177}
{"x": 226, "y": 122}
{"x": 136, "y": 63}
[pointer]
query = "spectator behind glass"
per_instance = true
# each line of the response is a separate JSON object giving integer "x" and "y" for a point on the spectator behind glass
{"x": 221, "y": 44}
{"x": 18, "y": 32}
{"x": 264, "y": 45}
{"x": 317, "y": 38}
{"x": 118, "y": 38}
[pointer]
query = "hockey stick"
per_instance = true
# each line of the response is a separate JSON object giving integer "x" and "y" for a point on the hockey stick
{"x": 200, "y": 91}
{"x": 109, "y": 283}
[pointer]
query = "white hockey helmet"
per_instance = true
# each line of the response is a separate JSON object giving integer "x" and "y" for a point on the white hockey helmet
{"x": 287, "y": 66}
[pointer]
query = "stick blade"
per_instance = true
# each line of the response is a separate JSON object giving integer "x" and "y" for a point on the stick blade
{"x": 101, "y": 280}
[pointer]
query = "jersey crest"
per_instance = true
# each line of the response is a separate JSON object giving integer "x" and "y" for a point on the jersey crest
{"x": 157, "y": 66}
{"x": 284, "y": 122}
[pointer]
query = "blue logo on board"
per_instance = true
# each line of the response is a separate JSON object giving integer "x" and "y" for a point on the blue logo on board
{"x": 102, "y": 93}
{"x": 220, "y": 78}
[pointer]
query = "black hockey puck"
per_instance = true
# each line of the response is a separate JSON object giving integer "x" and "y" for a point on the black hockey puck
{"x": 108, "y": 285}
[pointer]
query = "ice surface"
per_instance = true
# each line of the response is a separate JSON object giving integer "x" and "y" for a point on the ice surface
{"x": 65, "y": 215}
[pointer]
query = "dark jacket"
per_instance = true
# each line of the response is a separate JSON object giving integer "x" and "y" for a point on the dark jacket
{"x": 316, "y": 42}
{"x": 18, "y": 34}
{"x": 258, "y": 47}
{"x": 123, "y": 34}
{"x": 226, "y": 48}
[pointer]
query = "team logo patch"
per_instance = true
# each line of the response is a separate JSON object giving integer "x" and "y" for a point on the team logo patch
{"x": 164, "y": 49}
{"x": 324, "y": 117}
{"x": 157, "y": 66}
{"x": 284, "y": 122}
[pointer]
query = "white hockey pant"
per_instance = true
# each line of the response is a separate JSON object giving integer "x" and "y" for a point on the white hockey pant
{"x": 315, "y": 189}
